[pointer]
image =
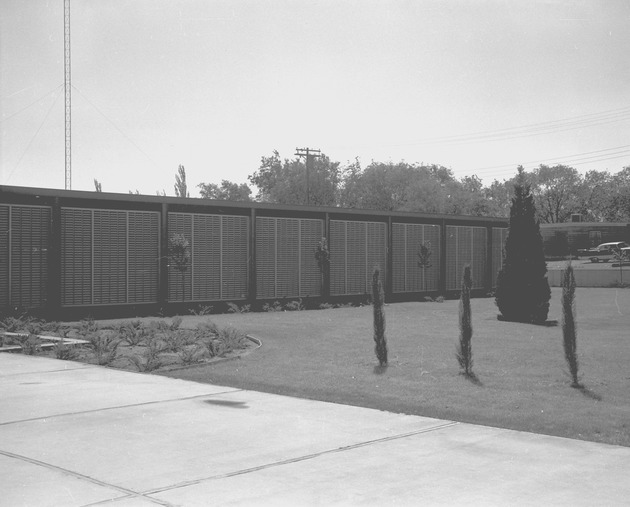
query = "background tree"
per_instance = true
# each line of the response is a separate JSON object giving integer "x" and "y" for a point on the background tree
{"x": 181, "y": 189}
{"x": 284, "y": 181}
{"x": 557, "y": 190}
{"x": 227, "y": 191}
{"x": 523, "y": 292}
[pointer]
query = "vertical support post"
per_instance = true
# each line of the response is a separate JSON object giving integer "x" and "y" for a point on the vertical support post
{"x": 442, "y": 280}
{"x": 54, "y": 262}
{"x": 251, "y": 282}
{"x": 163, "y": 258}
{"x": 326, "y": 288}
{"x": 389, "y": 262}
{"x": 489, "y": 259}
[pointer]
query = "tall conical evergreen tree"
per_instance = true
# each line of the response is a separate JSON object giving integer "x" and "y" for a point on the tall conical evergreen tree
{"x": 523, "y": 292}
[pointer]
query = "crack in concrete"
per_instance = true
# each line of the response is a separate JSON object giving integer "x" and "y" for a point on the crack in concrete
{"x": 301, "y": 458}
{"x": 170, "y": 400}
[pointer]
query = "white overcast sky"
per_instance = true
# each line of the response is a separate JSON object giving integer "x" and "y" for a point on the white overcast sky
{"x": 478, "y": 86}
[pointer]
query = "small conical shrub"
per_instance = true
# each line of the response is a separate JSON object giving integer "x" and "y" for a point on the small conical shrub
{"x": 464, "y": 348}
{"x": 523, "y": 292}
{"x": 378, "y": 303}
{"x": 569, "y": 334}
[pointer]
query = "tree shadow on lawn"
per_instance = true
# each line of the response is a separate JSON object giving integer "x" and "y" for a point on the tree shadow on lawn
{"x": 587, "y": 392}
{"x": 471, "y": 377}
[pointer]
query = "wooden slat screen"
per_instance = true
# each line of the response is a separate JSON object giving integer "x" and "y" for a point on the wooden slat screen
{"x": 407, "y": 275}
{"x": 108, "y": 256}
{"x": 465, "y": 245}
{"x": 144, "y": 253}
{"x": 356, "y": 248}
{"x": 25, "y": 238}
{"x": 76, "y": 256}
{"x": 234, "y": 257}
{"x": 219, "y": 257}
{"x": 285, "y": 257}
{"x": 4, "y": 256}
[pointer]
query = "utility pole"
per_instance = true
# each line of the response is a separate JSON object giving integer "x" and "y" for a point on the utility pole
{"x": 67, "y": 86}
{"x": 310, "y": 154}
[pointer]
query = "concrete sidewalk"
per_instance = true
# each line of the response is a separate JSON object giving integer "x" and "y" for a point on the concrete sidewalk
{"x": 74, "y": 434}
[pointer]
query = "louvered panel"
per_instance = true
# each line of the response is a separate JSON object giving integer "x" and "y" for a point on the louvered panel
{"x": 337, "y": 247}
{"x": 30, "y": 228}
{"x": 415, "y": 277}
{"x": 499, "y": 235}
{"x": 206, "y": 257}
{"x": 431, "y": 276}
{"x": 479, "y": 256}
{"x": 376, "y": 255}
{"x": 143, "y": 257}
{"x": 110, "y": 257}
{"x": 265, "y": 257}
{"x": 4, "y": 256}
{"x": 356, "y": 272}
{"x": 76, "y": 256}
{"x": 178, "y": 289}
{"x": 235, "y": 256}
{"x": 399, "y": 258}
{"x": 452, "y": 257}
{"x": 287, "y": 267}
{"x": 310, "y": 274}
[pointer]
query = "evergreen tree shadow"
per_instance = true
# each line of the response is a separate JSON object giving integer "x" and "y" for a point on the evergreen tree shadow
{"x": 587, "y": 392}
{"x": 471, "y": 377}
{"x": 379, "y": 369}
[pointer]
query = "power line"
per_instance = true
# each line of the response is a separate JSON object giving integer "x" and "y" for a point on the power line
{"x": 115, "y": 126}
{"x": 31, "y": 104}
{"x": 33, "y": 138}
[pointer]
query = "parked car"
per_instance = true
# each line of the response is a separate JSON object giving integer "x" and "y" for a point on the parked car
{"x": 605, "y": 251}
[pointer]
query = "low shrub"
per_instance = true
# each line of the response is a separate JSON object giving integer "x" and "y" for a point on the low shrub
{"x": 105, "y": 347}
{"x": 202, "y": 310}
{"x": 31, "y": 344}
{"x": 192, "y": 354}
{"x": 149, "y": 359}
{"x": 276, "y": 306}
{"x": 294, "y": 306}
{"x": 234, "y": 308}
{"x": 232, "y": 339}
{"x": 65, "y": 352}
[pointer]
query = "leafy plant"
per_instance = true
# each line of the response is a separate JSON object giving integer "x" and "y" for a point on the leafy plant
{"x": 234, "y": 308}
{"x": 464, "y": 348}
{"x": 149, "y": 359}
{"x": 201, "y": 310}
{"x": 192, "y": 355}
{"x": 133, "y": 332}
{"x": 88, "y": 327}
{"x": 326, "y": 306}
{"x": 175, "y": 341}
{"x": 569, "y": 333}
{"x": 232, "y": 339}
{"x": 276, "y": 306}
{"x": 30, "y": 343}
{"x": 105, "y": 347}
{"x": 294, "y": 306}
{"x": 175, "y": 323}
{"x": 64, "y": 351}
{"x": 378, "y": 302}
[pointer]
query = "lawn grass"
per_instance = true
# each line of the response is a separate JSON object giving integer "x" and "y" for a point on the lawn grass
{"x": 329, "y": 355}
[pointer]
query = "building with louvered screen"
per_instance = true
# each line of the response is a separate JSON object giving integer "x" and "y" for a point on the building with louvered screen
{"x": 219, "y": 248}
{"x": 24, "y": 243}
{"x": 285, "y": 257}
{"x": 356, "y": 248}
{"x": 465, "y": 245}
{"x": 73, "y": 253}
{"x": 109, "y": 256}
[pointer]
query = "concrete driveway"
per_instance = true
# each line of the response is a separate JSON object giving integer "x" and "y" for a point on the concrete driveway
{"x": 77, "y": 435}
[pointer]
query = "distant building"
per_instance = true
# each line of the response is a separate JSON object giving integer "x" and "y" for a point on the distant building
{"x": 562, "y": 238}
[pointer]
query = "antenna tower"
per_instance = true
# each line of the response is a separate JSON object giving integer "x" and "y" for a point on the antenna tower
{"x": 67, "y": 86}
